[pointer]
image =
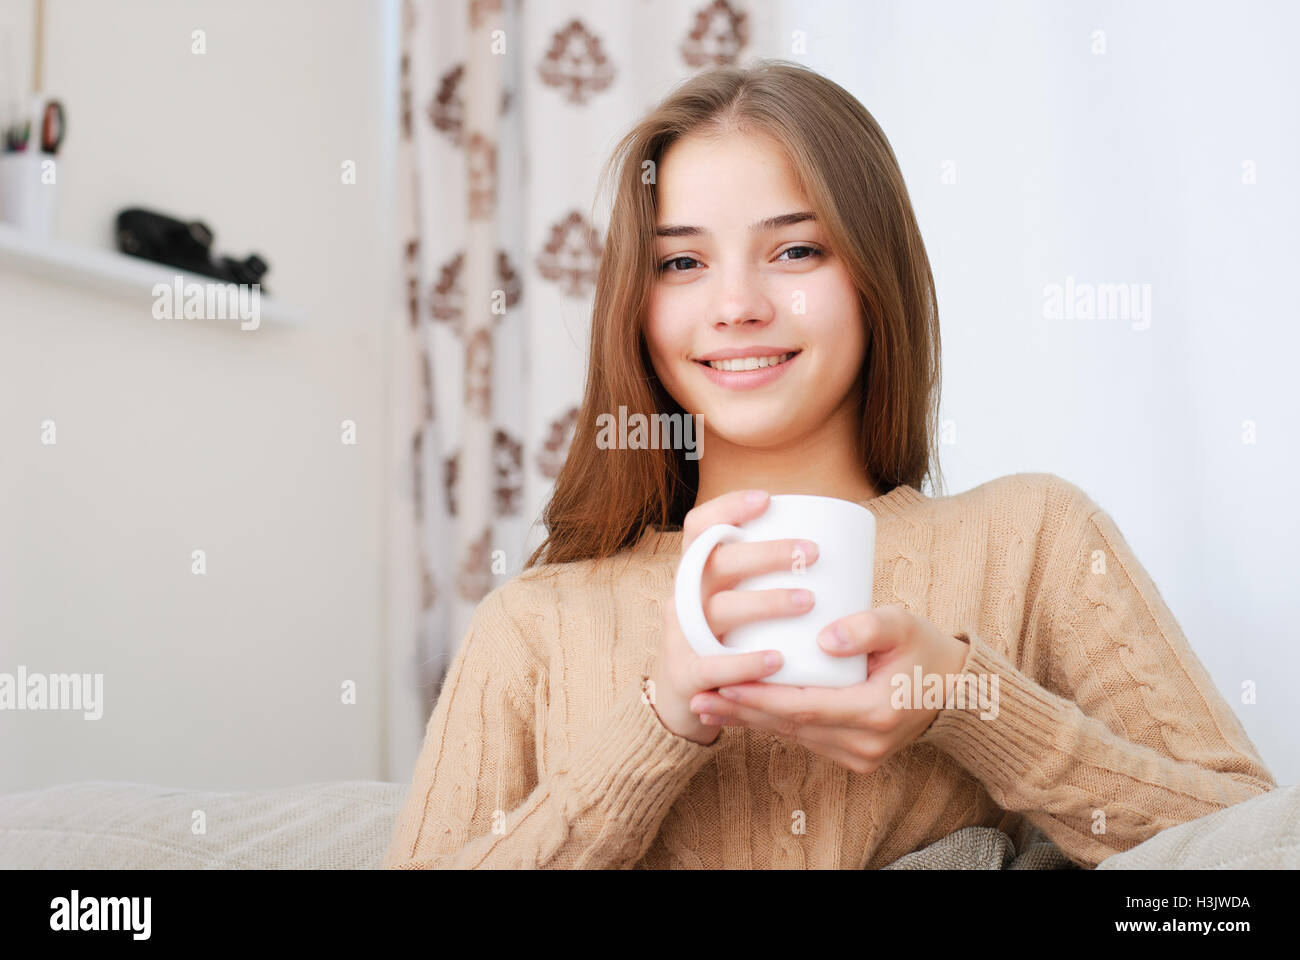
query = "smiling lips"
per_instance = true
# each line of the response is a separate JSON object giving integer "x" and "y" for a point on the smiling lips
{"x": 749, "y": 363}
{"x": 746, "y": 373}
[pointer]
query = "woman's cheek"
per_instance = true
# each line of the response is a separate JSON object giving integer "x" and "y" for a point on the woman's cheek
{"x": 666, "y": 368}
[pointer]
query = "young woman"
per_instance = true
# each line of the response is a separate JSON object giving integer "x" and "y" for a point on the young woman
{"x": 761, "y": 213}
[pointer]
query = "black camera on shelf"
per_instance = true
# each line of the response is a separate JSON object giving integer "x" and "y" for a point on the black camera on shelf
{"x": 185, "y": 246}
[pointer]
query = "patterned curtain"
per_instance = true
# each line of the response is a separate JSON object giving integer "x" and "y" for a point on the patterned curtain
{"x": 508, "y": 110}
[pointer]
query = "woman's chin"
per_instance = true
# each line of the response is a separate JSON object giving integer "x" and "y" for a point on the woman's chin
{"x": 751, "y": 432}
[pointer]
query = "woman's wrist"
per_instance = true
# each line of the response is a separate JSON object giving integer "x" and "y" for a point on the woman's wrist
{"x": 957, "y": 665}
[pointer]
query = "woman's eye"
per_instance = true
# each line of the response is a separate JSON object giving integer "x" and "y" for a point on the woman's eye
{"x": 812, "y": 252}
{"x": 809, "y": 252}
{"x": 663, "y": 267}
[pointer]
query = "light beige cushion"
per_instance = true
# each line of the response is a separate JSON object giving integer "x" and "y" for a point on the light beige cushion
{"x": 1262, "y": 833}
{"x": 97, "y": 825}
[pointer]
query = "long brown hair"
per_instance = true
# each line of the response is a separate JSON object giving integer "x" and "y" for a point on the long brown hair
{"x": 605, "y": 500}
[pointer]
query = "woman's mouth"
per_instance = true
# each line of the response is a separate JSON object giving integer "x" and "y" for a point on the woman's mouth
{"x": 748, "y": 372}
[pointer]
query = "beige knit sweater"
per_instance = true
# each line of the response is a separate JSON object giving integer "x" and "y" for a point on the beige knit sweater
{"x": 543, "y": 751}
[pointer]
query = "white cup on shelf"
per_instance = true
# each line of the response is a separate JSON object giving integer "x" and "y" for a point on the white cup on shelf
{"x": 28, "y": 187}
{"x": 29, "y": 179}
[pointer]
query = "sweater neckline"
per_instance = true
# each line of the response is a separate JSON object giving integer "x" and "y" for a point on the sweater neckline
{"x": 895, "y": 503}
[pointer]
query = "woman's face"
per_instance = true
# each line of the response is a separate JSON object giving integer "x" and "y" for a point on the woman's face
{"x": 729, "y": 284}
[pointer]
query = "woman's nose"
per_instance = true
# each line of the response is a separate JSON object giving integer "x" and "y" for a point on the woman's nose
{"x": 742, "y": 300}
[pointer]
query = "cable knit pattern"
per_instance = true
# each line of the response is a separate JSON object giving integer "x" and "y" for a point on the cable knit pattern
{"x": 544, "y": 752}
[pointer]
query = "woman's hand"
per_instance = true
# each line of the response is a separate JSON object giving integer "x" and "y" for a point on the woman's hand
{"x": 855, "y": 726}
{"x": 679, "y": 672}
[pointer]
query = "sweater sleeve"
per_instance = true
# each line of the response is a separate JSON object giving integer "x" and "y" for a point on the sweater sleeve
{"x": 1107, "y": 728}
{"x": 476, "y": 800}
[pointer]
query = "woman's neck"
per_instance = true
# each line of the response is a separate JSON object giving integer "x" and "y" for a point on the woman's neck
{"x": 824, "y": 463}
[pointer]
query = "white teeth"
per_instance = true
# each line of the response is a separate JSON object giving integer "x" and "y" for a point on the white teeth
{"x": 749, "y": 363}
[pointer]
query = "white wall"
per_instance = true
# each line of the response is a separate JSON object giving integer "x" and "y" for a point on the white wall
{"x": 177, "y": 435}
{"x": 1116, "y": 168}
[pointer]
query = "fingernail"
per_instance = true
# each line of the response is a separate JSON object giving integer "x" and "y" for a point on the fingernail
{"x": 802, "y": 598}
{"x": 755, "y": 496}
{"x": 728, "y": 693}
{"x": 807, "y": 548}
{"x": 772, "y": 659}
{"x": 834, "y": 639}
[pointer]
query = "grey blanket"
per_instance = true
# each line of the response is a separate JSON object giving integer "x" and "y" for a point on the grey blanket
{"x": 985, "y": 848}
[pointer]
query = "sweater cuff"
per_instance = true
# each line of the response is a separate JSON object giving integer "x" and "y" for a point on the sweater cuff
{"x": 632, "y": 767}
{"x": 1003, "y": 727}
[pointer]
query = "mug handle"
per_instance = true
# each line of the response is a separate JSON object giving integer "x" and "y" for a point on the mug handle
{"x": 690, "y": 605}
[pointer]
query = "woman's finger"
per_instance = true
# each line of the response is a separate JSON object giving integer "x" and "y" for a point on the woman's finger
{"x": 867, "y": 631}
{"x": 788, "y": 727}
{"x": 730, "y": 563}
{"x": 831, "y": 742}
{"x": 734, "y": 507}
{"x": 728, "y": 609}
{"x": 824, "y": 706}
{"x": 719, "y": 669}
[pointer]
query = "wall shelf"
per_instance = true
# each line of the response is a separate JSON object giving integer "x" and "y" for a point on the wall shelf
{"x": 108, "y": 271}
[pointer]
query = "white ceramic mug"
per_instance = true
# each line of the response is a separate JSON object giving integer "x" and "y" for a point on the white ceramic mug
{"x": 840, "y": 580}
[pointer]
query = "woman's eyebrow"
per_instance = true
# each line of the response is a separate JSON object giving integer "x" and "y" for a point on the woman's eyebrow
{"x": 771, "y": 223}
